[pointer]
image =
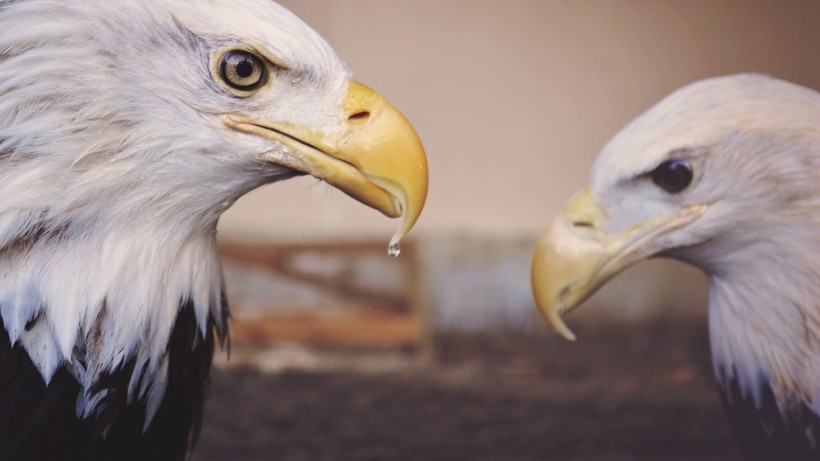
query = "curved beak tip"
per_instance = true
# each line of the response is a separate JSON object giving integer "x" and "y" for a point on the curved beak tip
{"x": 548, "y": 302}
{"x": 555, "y": 320}
{"x": 389, "y": 153}
{"x": 376, "y": 156}
{"x": 564, "y": 259}
{"x": 564, "y": 331}
{"x": 575, "y": 257}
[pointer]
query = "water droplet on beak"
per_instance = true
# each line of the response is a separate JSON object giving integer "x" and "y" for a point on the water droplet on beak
{"x": 394, "y": 249}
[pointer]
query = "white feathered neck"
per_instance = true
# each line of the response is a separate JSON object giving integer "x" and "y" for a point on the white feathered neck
{"x": 764, "y": 319}
{"x": 114, "y": 170}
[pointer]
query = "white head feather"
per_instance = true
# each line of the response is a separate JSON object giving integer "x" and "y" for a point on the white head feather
{"x": 114, "y": 166}
{"x": 754, "y": 145}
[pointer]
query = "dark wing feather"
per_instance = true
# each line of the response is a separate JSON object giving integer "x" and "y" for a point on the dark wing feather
{"x": 767, "y": 434}
{"x": 39, "y": 423}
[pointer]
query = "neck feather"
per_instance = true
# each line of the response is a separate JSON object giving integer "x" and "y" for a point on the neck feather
{"x": 764, "y": 325}
{"x": 94, "y": 301}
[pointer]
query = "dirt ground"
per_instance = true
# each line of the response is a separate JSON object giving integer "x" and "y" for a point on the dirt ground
{"x": 636, "y": 392}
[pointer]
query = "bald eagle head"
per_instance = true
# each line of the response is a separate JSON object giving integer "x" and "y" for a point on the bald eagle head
{"x": 722, "y": 174}
{"x": 128, "y": 127}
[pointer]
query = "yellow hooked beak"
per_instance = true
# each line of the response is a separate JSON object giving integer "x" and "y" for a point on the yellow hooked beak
{"x": 375, "y": 157}
{"x": 575, "y": 257}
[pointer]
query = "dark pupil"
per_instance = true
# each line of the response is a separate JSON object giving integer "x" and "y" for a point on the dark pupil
{"x": 245, "y": 68}
{"x": 673, "y": 176}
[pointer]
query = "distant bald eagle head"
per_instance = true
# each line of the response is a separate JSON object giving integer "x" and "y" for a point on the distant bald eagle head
{"x": 126, "y": 128}
{"x": 723, "y": 174}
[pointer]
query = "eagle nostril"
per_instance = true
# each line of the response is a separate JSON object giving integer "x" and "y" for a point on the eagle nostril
{"x": 586, "y": 224}
{"x": 359, "y": 117}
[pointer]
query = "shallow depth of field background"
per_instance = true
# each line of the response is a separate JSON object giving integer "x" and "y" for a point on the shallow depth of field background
{"x": 513, "y": 101}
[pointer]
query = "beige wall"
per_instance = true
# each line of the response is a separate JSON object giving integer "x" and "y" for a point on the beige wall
{"x": 514, "y": 99}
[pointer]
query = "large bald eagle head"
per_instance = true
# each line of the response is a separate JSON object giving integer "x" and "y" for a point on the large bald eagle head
{"x": 127, "y": 127}
{"x": 212, "y": 98}
{"x": 722, "y": 174}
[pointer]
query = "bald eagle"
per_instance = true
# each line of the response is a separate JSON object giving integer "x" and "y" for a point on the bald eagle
{"x": 126, "y": 128}
{"x": 722, "y": 174}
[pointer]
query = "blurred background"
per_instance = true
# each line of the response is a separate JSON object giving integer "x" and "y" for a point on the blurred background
{"x": 513, "y": 101}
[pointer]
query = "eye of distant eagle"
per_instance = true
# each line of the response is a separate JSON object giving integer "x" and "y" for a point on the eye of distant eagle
{"x": 242, "y": 70}
{"x": 673, "y": 175}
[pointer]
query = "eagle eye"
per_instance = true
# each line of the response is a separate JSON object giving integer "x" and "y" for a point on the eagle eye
{"x": 673, "y": 175}
{"x": 242, "y": 70}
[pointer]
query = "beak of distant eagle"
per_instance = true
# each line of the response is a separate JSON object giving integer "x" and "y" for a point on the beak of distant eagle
{"x": 575, "y": 256}
{"x": 376, "y": 157}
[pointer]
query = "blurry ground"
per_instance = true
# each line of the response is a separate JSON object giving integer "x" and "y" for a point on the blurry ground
{"x": 638, "y": 392}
